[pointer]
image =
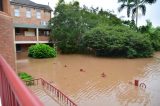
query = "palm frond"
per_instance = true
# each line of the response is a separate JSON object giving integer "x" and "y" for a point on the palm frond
{"x": 143, "y": 8}
{"x": 121, "y": 7}
{"x": 150, "y": 1}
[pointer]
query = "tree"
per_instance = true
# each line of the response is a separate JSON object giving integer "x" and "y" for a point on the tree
{"x": 140, "y": 4}
{"x": 126, "y": 4}
{"x": 134, "y": 6}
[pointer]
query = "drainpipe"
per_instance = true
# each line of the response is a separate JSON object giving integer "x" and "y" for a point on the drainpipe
{"x": 37, "y": 35}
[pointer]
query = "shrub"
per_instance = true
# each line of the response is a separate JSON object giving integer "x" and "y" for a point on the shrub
{"x": 155, "y": 39}
{"x": 24, "y": 76}
{"x": 41, "y": 51}
{"x": 117, "y": 41}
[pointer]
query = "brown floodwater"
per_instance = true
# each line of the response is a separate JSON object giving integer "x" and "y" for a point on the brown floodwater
{"x": 93, "y": 81}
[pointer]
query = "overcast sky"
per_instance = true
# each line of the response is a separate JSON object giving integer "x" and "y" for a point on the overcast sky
{"x": 152, "y": 13}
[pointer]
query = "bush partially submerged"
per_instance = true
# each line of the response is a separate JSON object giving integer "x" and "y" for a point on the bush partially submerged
{"x": 24, "y": 76}
{"x": 41, "y": 51}
{"x": 117, "y": 41}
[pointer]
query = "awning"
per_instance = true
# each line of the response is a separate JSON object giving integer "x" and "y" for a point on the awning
{"x": 30, "y": 26}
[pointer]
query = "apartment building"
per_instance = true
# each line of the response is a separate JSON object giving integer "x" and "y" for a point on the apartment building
{"x": 30, "y": 23}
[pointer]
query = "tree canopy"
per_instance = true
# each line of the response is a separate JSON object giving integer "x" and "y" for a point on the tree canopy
{"x": 95, "y": 31}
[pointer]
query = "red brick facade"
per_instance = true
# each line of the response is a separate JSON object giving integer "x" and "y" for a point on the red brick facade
{"x": 26, "y": 38}
{"x": 7, "y": 48}
{"x": 43, "y": 38}
{"x": 32, "y": 23}
{"x": 22, "y": 19}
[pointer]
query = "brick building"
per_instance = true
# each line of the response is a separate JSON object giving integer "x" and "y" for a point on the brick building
{"x": 30, "y": 23}
{"x": 7, "y": 49}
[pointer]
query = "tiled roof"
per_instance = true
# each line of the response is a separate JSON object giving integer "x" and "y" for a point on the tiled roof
{"x": 31, "y": 4}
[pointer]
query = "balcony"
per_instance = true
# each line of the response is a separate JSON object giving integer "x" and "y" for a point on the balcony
{"x": 25, "y": 38}
{"x": 31, "y": 35}
{"x": 43, "y": 38}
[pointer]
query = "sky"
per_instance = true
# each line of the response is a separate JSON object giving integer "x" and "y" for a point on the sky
{"x": 152, "y": 13}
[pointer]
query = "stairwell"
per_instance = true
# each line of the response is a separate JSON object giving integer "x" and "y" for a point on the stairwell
{"x": 48, "y": 94}
{"x": 44, "y": 96}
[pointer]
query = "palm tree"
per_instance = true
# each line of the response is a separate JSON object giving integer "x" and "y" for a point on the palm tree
{"x": 140, "y": 4}
{"x": 150, "y": 1}
{"x": 134, "y": 6}
{"x": 126, "y": 4}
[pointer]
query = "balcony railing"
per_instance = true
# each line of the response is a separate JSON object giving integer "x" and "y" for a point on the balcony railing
{"x": 52, "y": 91}
{"x": 12, "y": 90}
{"x": 25, "y": 38}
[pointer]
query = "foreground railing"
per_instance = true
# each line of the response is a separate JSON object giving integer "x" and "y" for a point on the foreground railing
{"x": 53, "y": 91}
{"x": 12, "y": 90}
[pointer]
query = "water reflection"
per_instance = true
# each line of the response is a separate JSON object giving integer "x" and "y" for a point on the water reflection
{"x": 89, "y": 88}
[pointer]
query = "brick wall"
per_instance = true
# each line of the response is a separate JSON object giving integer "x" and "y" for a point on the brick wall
{"x": 45, "y": 16}
{"x": 6, "y": 39}
{"x": 25, "y": 38}
{"x": 43, "y": 38}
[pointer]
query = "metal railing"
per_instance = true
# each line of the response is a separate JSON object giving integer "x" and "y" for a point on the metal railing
{"x": 13, "y": 92}
{"x": 53, "y": 91}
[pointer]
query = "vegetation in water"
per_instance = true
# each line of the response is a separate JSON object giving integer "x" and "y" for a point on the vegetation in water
{"x": 24, "y": 76}
{"x": 41, "y": 51}
{"x": 78, "y": 29}
{"x": 117, "y": 41}
{"x": 153, "y": 33}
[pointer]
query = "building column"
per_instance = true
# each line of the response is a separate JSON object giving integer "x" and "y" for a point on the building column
{"x": 37, "y": 35}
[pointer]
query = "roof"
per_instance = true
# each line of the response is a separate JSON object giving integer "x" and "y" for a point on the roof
{"x": 30, "y": 4}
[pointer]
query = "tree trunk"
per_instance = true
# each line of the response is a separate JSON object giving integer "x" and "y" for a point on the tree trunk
{"x": 137, "y": 1}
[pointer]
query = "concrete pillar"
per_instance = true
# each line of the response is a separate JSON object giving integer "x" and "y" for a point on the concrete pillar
{"x": 37, "y": 35}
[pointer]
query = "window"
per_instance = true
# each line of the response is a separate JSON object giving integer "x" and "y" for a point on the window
{"x": 38, "y": 14}
{"x": 16, "y": 11}
{"x": 28, "y": 12}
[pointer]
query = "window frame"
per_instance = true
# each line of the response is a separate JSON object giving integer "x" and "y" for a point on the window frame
{"x": 38, "y": 14}
{"x": 28, "y": 13}
{"x": 16, "y": 11}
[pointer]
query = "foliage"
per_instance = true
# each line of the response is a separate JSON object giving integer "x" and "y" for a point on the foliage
{"x": 70, "y": 22}
{"x": 41, "y": 51}
{"x": 117, "y": 41}
{"x": 133, "y": 6}
{"x": 153, "y": 33}
{"x": 24, "y": 76}
{"x": 155, "y": 39}
{"x": 78, "y": 29}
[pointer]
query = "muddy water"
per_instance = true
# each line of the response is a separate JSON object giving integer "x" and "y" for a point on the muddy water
{"x": 81, "y": 78}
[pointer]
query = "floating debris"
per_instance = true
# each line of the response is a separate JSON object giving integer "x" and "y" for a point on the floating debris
{"x": 65, "y": 65}
{"x": 81, "y": 70}
{"x": 103, "y": 75}
{"x": 130, "y": 82}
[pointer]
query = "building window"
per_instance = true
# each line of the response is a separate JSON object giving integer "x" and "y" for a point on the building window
{"x": 28, "y": 12}
{"x": 44, "y": 23}
{"x": 1, "y": 5}
{"x": 38, "y": 14}
{"x": 16, "y": 11}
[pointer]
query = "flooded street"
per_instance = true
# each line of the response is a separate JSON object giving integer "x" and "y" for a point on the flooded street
{"x": 93, "y": 81}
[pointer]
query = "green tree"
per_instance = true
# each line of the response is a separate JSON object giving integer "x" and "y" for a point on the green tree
{"x": 134, "y": 6}
{"x": 126, "y": 4}
{"x": 70, "y": 22}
